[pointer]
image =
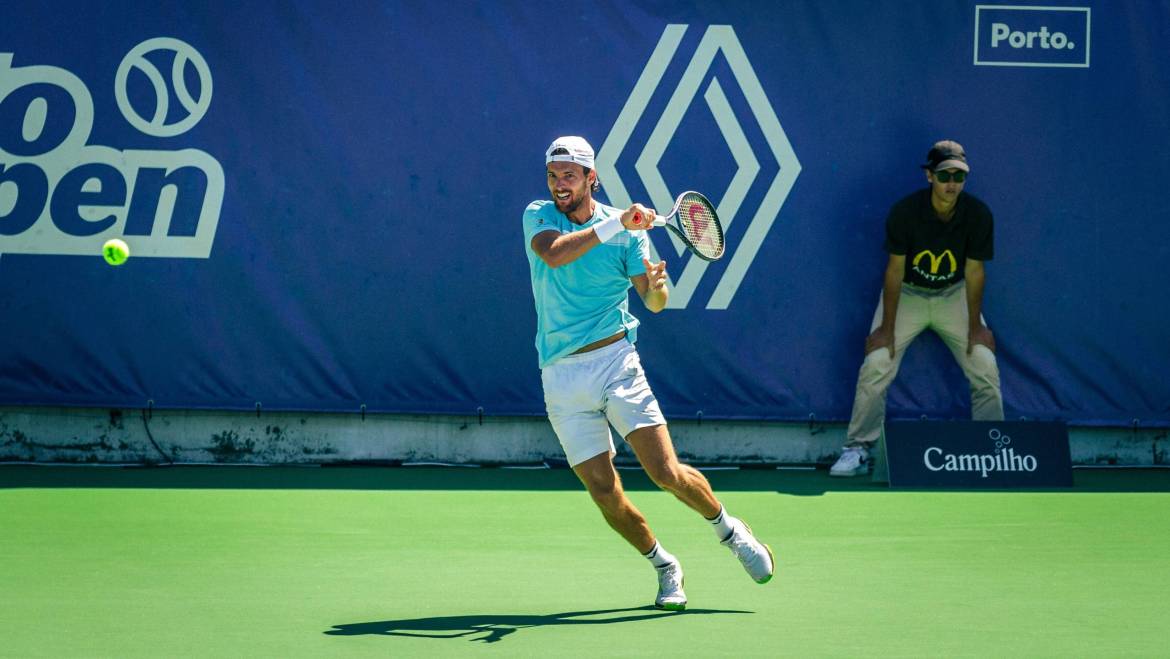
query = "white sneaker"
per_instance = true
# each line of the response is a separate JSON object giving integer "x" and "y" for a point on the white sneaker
{"x": 670, "y": 588}
{"x": 854, "y": 461}
{"x": 755, "y": 556}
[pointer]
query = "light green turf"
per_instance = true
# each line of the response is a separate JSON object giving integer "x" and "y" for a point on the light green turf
{"x": 148, "y": 571}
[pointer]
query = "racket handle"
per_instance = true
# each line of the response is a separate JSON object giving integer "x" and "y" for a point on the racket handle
{"x": 659, "y": 221}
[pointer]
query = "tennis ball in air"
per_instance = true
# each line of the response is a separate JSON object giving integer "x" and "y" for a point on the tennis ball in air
{"x": 115, "y": 251}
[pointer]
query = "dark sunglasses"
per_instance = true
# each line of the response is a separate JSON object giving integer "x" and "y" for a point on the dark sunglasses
{"x": 946, "y": 177}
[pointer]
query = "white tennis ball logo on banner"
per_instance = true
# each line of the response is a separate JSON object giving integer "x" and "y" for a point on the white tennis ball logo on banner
{"x": 168, "y": 200}
{"x": 184, "y": 54}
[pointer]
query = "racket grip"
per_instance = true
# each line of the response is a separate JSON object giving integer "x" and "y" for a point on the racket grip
{"x": 659, "y": 221}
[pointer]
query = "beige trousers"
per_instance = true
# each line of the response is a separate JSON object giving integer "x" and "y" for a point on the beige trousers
{"x": 946, "y": 314}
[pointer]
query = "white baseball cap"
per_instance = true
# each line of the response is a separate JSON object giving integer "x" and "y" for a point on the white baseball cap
{"x": 578, "y": 149}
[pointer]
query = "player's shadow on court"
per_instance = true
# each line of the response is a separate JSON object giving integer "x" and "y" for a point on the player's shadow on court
{"x": 494, "y": 627}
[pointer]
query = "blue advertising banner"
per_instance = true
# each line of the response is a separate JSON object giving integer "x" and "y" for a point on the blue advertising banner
{"x": 323, "y": 201}
{"x": 978, "y": 454}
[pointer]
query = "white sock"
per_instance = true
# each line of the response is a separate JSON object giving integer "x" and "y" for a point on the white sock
{"x": 723, "y": 523}
{"x": 659, "y": 557}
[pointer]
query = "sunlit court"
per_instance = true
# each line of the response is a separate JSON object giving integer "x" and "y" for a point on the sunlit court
{"x": 302, "y": 562}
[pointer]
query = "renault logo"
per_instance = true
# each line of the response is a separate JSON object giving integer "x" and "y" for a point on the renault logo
{"x": 717, "y": 39}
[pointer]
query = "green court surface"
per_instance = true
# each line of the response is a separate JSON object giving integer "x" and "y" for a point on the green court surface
{"x": 419, "y": 562}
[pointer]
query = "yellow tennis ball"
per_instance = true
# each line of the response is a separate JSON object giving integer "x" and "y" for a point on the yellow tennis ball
{"x": 115, "y": 251}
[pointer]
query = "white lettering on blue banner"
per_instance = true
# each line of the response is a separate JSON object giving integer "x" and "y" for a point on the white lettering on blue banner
{"x": 1012, "y": 35}
{"x": 60, "y": 194}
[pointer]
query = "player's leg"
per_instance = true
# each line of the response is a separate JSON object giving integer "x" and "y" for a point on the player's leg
{"x": 656, "y": 452}
{"x": 634, "y": 412}
{"x": 877, "y": 372}
{"x": 574, "y": 398}
{"x": 949, "y": 319}
{"x": 604, "y": 484}
{"x": 574, "y": 402}
{"x": 585, "y": 437}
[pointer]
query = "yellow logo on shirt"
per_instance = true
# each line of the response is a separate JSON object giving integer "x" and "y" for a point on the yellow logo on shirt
{"x": 935, "y": 261}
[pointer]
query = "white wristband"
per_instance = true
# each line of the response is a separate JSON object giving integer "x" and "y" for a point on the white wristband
{"x": 608, "y": 228}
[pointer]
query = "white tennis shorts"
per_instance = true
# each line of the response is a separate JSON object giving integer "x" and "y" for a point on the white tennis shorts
{"x": 586, "y": 393}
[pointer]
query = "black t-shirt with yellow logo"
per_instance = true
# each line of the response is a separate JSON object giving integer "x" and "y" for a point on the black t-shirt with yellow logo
{"x": 936, "y": 251}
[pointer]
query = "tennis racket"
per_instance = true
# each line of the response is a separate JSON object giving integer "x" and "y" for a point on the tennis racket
{"x": 693, "y": 219}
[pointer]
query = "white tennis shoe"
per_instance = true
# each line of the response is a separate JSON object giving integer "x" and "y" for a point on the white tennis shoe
{"x": 670, "y": 588}
{"x": 755, "y": 556}
{"x": 854, "y": 461}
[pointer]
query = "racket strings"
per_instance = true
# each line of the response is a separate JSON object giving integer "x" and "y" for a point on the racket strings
{"x": 701, "y": 227}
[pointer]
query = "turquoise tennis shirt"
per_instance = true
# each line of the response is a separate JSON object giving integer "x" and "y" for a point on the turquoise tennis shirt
{"x": 588, "y": 299}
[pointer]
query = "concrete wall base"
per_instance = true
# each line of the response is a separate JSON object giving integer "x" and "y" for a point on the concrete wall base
{"x": 67, "y": 435}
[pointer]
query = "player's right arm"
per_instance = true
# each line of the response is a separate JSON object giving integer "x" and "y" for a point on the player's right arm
{"x": 557, "y": 249}
{"x": 883, "y": 336}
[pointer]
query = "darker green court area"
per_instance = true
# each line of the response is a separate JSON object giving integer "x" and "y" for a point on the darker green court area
{"x": 292, "y": 562}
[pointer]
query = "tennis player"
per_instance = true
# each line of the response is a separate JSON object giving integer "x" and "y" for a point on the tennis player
{"x": 583, "y": 257}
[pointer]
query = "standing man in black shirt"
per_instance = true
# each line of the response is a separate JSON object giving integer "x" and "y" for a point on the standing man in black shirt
{"x": 938, "y": 239}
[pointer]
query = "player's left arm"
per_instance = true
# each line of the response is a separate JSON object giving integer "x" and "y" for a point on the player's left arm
{"x": 651, "y": 285}
{"x": 977, "y": 332}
